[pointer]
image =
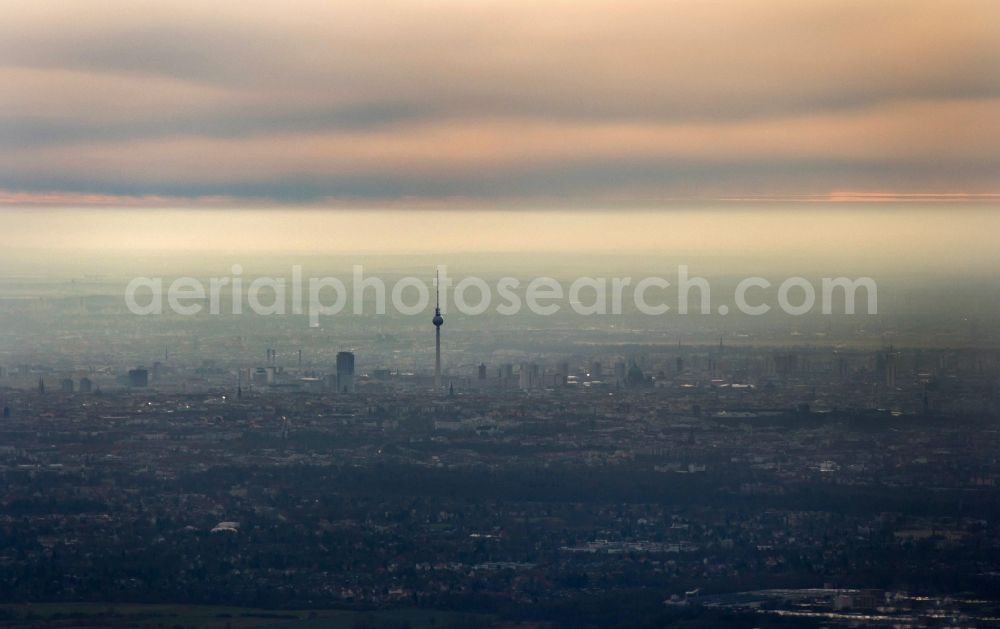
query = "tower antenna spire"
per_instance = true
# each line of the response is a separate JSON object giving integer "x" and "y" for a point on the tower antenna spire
{"x": 438, "y": 320}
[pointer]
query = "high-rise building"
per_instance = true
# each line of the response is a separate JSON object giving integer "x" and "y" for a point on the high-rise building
{"x": 260, "y": 377}
{"x": 86, "y": 386}
{"x": 634, "y": 378}
{"x": 138, "y": 378}
{"x": 345, "y": 372}
{"x": 596, "y": 373}
{"x": 562, "y": 373}
{"x": 507, "y": 375}
{"x": 67, "y": 385}
{"x": 530, "y": 376}
{"x": 482, "y": 371}
{"x": 620, "y": 372}
{"x": 890, "y": 370}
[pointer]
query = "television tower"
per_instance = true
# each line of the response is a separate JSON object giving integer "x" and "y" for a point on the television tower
{"x": 437, "y": 321}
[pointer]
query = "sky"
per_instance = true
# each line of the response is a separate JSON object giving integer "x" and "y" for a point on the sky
{"x": 479, "y": 103}
{"x": 923, "y": 243}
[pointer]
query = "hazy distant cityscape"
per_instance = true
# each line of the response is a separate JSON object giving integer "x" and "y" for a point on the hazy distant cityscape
{"x": 631, "y": 470}
{"x": 413, "y": 314}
